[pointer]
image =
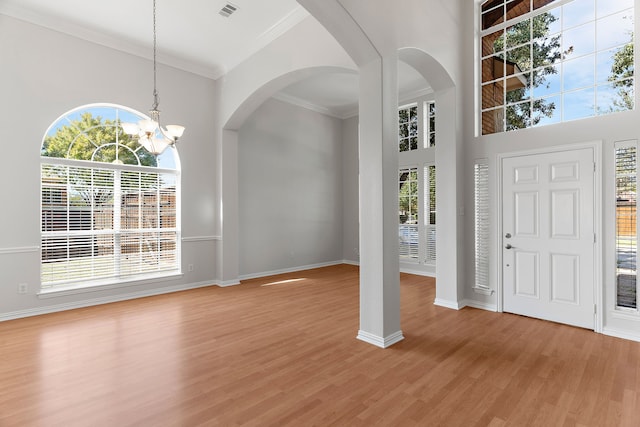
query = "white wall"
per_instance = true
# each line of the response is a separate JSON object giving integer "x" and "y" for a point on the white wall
{"x": 45, "y": 74}
{"x": 290, "y": 189}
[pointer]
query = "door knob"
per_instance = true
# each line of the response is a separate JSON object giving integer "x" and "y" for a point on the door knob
{"x": 509, "y": 246}
{"x": 508, "y": 235}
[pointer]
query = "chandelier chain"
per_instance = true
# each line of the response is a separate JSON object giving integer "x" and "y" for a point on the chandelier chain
{"x": 155, "y": 68}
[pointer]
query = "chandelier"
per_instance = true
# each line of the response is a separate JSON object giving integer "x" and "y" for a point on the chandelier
{"x": 151, "y": 135}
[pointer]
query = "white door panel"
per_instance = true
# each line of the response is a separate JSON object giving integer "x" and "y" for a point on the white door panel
{"x": 548, "y": 228}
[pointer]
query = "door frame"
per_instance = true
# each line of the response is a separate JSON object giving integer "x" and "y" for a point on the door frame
{"x": 598, "y": 212}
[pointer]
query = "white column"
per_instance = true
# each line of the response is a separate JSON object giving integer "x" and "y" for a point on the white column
{"x": 449, "y": 201}
{"x": 379, "y": 257}
{"x": 229, "y": 258}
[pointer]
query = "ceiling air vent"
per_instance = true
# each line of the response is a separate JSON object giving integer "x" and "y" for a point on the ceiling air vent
{"x": 227, "y": 10}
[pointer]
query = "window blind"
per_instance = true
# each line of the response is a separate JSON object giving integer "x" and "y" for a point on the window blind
{"x": 106, "y": 223}
{"x": 482, "y": 221}
{"x": 430, "y": 214}
{"x": 626, "y": 225}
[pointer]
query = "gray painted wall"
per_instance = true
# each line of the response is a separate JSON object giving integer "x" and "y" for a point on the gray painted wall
{"x": 350, "y": 192}
{"x": 45, "y": 74}
{"x": 290, "y": 189}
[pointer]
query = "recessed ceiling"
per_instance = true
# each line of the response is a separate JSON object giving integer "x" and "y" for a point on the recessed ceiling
{"x": 336, "y": 94}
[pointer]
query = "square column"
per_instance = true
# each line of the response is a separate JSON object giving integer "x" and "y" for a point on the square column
{"x": 378, "y": 162}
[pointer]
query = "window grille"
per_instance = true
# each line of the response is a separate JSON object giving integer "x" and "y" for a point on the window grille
{"x": 549, "y": 61}
{"x": 109, "y": 212}
{"x": 408, "y": 128}
{"x": 430, "y": 124}
{"x": 408, "y": 213}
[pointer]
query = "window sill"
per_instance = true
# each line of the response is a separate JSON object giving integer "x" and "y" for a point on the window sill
{"x": 626, "y": 314}
{"x": 60, "y": 291}
{"x": 483, "y": 291}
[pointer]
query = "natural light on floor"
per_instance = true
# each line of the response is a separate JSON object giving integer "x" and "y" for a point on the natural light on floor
{"x": 283, "y": 282}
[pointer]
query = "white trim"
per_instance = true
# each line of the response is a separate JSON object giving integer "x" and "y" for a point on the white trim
{"x": 417, "y": 272}
{"x": 415, "y": 96}
{"x": 227, "y": 283}
{"x": 483, "y": 291}
{"x": 629, "y": 314}
{"x": 99, "y": 301}
{"x": 20, "y": 250}
{"x": 402, "y": 269}
{"x": 613, "y": 332}
{"x": 61, "y": 290}
{"x": 288, "y": 270}
{"x": 201, "y": 238}
{"x": 480, "y": 305}
{"x": 380, "y": 341}
{"x": 303, "y": 103}
{"x": 454, "y": 305}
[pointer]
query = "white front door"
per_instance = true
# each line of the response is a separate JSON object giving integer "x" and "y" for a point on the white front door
{"x": 548, "y": 236}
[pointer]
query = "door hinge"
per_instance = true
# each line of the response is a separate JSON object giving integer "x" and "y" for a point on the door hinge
{"x": 595, "y": 309}
{"x": 594, "y": 166}
{"x": 594, "y": 237}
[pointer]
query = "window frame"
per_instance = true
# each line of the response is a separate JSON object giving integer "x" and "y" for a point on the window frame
{"x": 492, "y": 115}
{"x": 618, "y": 146}
{"x": 420, "y": 160}
{"x": 151, "y": 210}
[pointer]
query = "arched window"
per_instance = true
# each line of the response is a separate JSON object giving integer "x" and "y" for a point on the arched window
{"x": 110, "y": 209}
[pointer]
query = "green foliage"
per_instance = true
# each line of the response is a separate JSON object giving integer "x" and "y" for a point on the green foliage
{"x": 94, "y": 139}
{"x": 538, "y": 52}
{"x": 622, "y": 73}
{"x": 408, "y": 196}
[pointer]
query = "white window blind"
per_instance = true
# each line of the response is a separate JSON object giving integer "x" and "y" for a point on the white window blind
{"x": 482, "y": 221}
{"x": 100, "y": 223}
{"x": 430, "y": 214}
{"x": 109, "y": 208}
{"x": 626, "y": 225}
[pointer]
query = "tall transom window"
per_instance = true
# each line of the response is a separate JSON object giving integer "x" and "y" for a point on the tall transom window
{"x": 549, "y": 61}
{"x": 417, "y": 183}
{"x": 110, "y": 209}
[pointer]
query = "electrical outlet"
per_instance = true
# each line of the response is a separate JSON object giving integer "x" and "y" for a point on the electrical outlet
{"x": 23, "y": 288}
{"x": 190, "y": 267}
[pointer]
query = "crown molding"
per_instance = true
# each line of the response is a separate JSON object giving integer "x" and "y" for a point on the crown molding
{"x": 84, "y": 33}
{"x": 413, "y": 95}
{"x": 303, "y": 103}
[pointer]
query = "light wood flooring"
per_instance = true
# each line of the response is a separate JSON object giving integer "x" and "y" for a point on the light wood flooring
{"x": 281, "y": 351}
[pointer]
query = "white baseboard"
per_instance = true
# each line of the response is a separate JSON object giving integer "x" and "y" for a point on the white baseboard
{"x": 402, "y": 269}
{"x": 288, "y": 270}
{"x": 99, "y": 301}
{"x": 621, "y": 334}
{"x": 481, "y": 305}
{"x": 381, "y": 342}
{"x": 454, "y": 305}
{"x": 417, "y": 272}
{"x": 227, "y": 283}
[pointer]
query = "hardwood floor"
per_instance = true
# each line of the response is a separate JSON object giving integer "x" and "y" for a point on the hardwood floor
{"x": 281, "y": 351}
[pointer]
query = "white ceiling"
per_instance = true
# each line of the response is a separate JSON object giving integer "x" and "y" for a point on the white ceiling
{"x": 193, "y": 36}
